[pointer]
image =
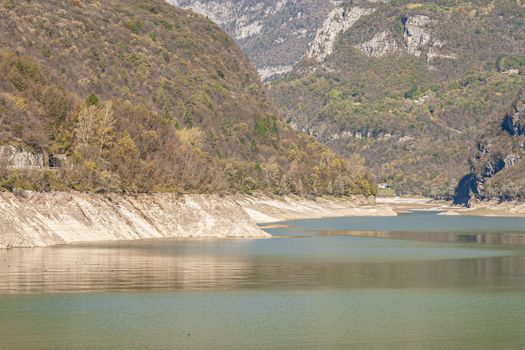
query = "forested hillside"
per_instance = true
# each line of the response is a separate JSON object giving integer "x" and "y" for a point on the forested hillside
{"x": 496, "y": 164}
{"x": 410, "y": 86}
{"x": 139, "y": 96}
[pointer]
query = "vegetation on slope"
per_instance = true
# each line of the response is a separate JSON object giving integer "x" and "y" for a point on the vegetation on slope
{"x": 143, "y": 97}
{"x": 274, "y": 35}
{"x": 496, "y": 165}
{"x": 414, "y": 118}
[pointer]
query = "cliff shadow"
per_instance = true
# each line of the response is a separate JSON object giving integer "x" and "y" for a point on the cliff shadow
{"x": 464, "y": 189}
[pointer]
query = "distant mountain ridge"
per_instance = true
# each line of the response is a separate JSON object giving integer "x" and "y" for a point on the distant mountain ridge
{"x": 275, "y": 34}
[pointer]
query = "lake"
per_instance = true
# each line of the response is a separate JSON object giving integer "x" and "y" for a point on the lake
{"x": 416, "y": 281}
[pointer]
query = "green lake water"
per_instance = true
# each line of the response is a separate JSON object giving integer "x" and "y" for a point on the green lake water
{"x": 417, "y": 281}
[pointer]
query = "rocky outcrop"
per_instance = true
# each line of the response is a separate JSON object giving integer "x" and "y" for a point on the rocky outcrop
{"x": 338, "y": 21}
{"x": 514, "y": 121}
{"x": 15, "y": 158}
{"x": 497, "y": 151}
{"x": 417, "y": 33}
{"x": 417, "y": 40}
{"x": 380, "y": 45}
{"x": 485, "y": 165}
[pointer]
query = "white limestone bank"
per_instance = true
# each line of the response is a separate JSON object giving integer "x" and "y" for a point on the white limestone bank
{"x": 274, "y": 209}
{"x": 43, "y": 219}
{"x": 490, "y": 209}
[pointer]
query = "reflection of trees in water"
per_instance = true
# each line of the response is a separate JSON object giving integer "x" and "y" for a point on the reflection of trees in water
{"x": 73, "y": 269}
{"x": 94, "y": 269}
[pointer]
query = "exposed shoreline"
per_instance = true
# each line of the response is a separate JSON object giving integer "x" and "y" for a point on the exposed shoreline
{"x": 491, "y": 209}
{"x": 44, "y": 219}
{"x": 267, "y": 210}
{"x": 31, "y": 219}
{"x": 484, "y": 209}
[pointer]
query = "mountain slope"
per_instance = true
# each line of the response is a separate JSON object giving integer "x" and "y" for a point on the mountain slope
{"x": 274, "y": 34}
{"x": 141, "y": 96}
{"x": 496, "y": 165}
{"x": 409, "y": 85}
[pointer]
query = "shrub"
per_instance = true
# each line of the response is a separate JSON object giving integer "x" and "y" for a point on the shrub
{"x": 136, "y": 25}
{"x": 266, "y": 126}
{"x": 92, "y": 100}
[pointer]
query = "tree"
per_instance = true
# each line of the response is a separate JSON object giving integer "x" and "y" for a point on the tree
{"x": 105, "y": 131}
{"x": 92, "y": 100}
{"x": 85, "y": 127}
{"x": 95, "y": 130}
{"x": 125, "y": 149}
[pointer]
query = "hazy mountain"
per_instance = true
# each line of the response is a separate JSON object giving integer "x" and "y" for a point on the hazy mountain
{"x": 274, "y": 34}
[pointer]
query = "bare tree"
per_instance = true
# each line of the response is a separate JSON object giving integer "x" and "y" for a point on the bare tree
{"x": 86, "y": 126}
{"x": 105, "y": 127}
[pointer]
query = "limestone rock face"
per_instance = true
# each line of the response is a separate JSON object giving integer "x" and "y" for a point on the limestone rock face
{"x": 417, "y": 33}
{"x": 380, "y": 45}
{"x": 14, "y": 158}
{"x": 417, "y": 40}
{"x": 43, "y": 219}
{"x": 338, "y": 21}
{"x": 277, "y": 35}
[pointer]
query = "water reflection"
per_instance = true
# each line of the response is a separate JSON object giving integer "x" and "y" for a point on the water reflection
{"x": 354, "y": 283}
{"x": 82, "y": 269}
{"x": 175, "y": 265}
{"x": 516, "y": 238}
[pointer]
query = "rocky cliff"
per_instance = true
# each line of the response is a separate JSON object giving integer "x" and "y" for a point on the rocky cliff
{"x": 407, "y": 85}
{"x": 274, "y": 34}
{"x": 14, "y": 158}
{"x": 496, "y": 165}
{"x": 277, "y": 36}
